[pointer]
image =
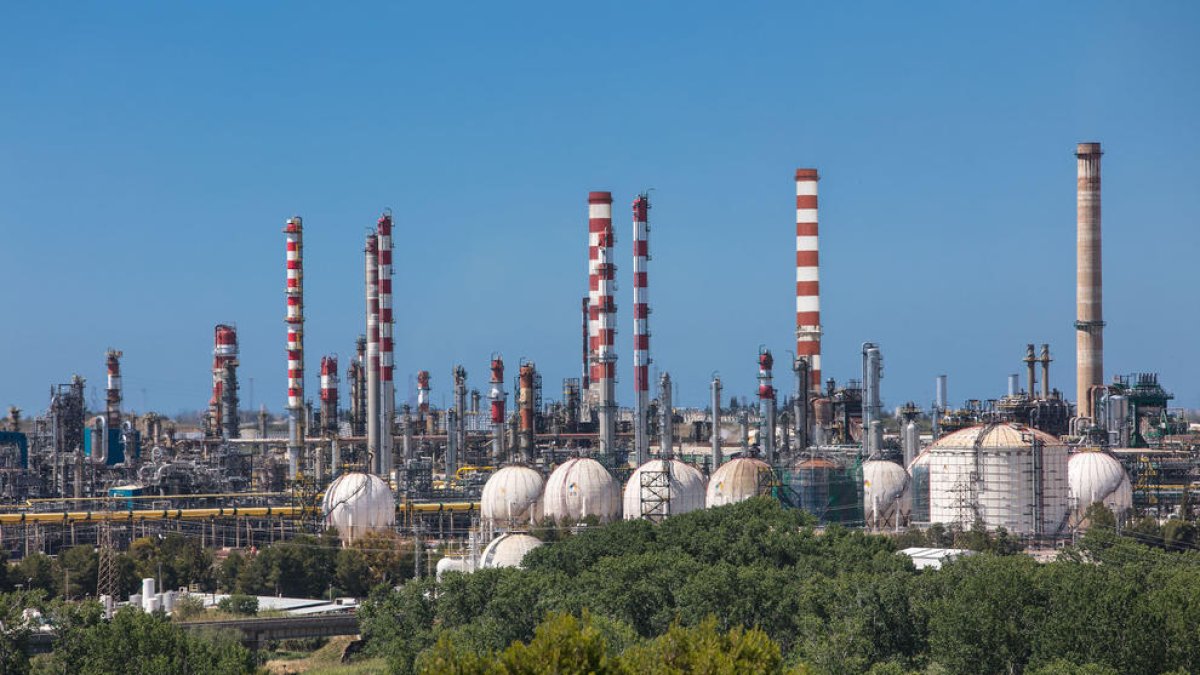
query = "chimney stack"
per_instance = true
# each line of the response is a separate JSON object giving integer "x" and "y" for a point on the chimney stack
{"x": 1089, "y": 298}
{"x": 294, "y": 235}
{"x": 808, "y": 293}
{"x": 641, "y": 328}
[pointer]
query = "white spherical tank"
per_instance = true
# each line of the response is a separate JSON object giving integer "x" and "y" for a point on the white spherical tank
{"x": 512, "y": 497}
{"x": 737, "y": 480}
{"x": 1098, "y": 477}
{"x": 1005, "y": 475}
{"x": 579, "y": 488}
{"x": 357, "y": 503}
{"x": 662, "y": 488}
{"x": 886, "y": 500}
{"x": 507, "y": 550}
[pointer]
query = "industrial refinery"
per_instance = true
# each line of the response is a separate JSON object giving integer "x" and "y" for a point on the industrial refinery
{"x": 518, "y": 448}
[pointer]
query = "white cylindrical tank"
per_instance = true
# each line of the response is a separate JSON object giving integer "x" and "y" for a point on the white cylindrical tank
{"x": 1005, "y": 475}
{"x": 452, "y": 564}
{"x": 737, "y": 480}
{"x": 357, "y": 503}
{"x": 645, "y": 494}
{"x": 507, "y": 550}
{"x": 886, "y": 500}
{"x": 1097, "y": 477}
{"x": 147, "y": 594}
{"x": 579, "y": 488}
{"x": 512, "y": 497}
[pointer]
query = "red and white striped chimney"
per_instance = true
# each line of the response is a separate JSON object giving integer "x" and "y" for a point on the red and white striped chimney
{"x": 387, "y": 388}
{"x": 113, "y": 394}
{"x": 604, "y": 316}
{"x": 498, "y": 397}
{"x": 766, "y": 403}
{"x": 599, "y": 217}
{"x": 329, "y": 394}
{"x": 422, "y": 393}
{"x": 294, "y": 235}
{"x": 641, "y": 328}
{"x": 225, "y": 350}
{"x": 371, "y": 253}
{"x": 808, "y": 290}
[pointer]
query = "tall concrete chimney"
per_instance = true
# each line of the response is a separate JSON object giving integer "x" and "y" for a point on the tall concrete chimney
{"x": 1089, "y": 315}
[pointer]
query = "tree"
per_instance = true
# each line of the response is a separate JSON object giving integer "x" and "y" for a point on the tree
{"x": 705, "y": 649}
{"x": 398, "y": 625}
{"x": 562, "y": 644}
{"x": 77, "y": 569}
{"x": 35, "y": 571}
{"x": 246, "y": 605}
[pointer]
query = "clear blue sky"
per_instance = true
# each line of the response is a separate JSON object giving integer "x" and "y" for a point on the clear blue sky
{"x": 150, "y": 152}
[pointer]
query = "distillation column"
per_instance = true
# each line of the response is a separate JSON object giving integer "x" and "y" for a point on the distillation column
{"x": 387, "y": 387}
{"x": 604, "y": 317}
{"x": 498, "y": 399}
{"x": 459, "y": 428}
{"x": 356, "y": 378}
{"x": 294, "y": 234}
{"x": 112, "y": 413}
{"x": 1089, "y": 295}
{"x": 766, "y": 405}
{"x": 666, "y": 429}
{"x": 808, "y": 290}
{"x": 525, "y": 402}
{"x": 641, "y": 328}
{"x": 716, "y": 424}
{"x": 374, "y": 458}
{"x": 329, "y": 394}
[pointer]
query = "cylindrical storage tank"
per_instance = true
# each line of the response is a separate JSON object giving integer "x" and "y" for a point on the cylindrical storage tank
{"x": 1005, "y": 475}
{"x": 886, "y": 501}
{"x": 663, "y": 488}
{"x": 579, "y": 488}
{"x": 357, "y": 503}
{"x": 451, "y": 564}
{"x": 512, "y": 497}
{"x": 1096, "y": 476}
{"x": 738, "y": 480}
{"x": 919, "y": 487}
{"x": 508, "y": 550}
{"x": 147, "y": 594}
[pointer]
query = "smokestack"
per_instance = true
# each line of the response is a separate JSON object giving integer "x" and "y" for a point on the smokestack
{"x": 329, "y": 394}
{"x": 294, "y": 235}
{"x": 766, "y": 404}
{"x": 1045, "y": 360}
{"x": 808, "y": 290}
{"x": 1030, "y": 369}
{"x": 387, "y": 387}
{"x": 666, "y": 430}
{"x": 460, "y": 421}
{"x": 641, "y": 329}
{"x": 872, "y": 403}
{"x": 423, "y": 392}
{"x": 112, "y": 415}
{"x": 525, "y": 402}
{"x": 1089, "y": 315}
{"x": 371, "y": 252}
{"x": 603, "y": 315}
{"x": 498, "y": 399}
{"x": 716, "y": 424}
{"x": 225, "y": 358}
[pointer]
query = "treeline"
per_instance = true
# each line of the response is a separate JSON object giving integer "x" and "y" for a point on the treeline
{"x": 305, "y": 566}
{"x": 836, "y": 601}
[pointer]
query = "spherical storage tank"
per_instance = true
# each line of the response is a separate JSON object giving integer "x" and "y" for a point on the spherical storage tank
{"x": 886, "y": 500}
{"x": 512, "y": 497}
{"x": 357, "y": 503}
{"x": 579, "y": 488}
{"x": 1097, "y": 477}
{"x": 737, "y": 480}
{"x": 507, "y": 550}
{"x": 647, "y": 494}
{"x": 1006, "y": 475}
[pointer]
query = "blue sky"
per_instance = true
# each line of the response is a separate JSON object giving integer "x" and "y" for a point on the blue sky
{"x": 150, "y": 152}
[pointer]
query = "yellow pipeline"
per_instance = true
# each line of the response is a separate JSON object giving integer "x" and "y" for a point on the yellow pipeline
{"x": 69, "y": 517}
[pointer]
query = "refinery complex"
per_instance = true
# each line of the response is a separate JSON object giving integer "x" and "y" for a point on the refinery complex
{"x": 512, "y": 451}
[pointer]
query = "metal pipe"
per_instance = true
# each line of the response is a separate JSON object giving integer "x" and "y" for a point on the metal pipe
{"x": 1089, "y": 296}
{"x": 808, "y": 291}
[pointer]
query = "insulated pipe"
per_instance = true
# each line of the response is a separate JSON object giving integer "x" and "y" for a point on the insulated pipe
{"x": 497, "y": 397}
{"x": 373, "y": 412}
{"x": 766, "y": 405}
{"x": 1089, "y": 295}
{"x": 641, "y": 329}
{"x": 604, "y": 317}
{"x": 387, "y": 388}
{"x": 294, "y": 234}
{"x": 808, "y": 291}
{"x": 716, "y": 423}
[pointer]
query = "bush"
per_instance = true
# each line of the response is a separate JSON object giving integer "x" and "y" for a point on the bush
{"x": 237, "y": 603}
{"x": 190, "y": 606}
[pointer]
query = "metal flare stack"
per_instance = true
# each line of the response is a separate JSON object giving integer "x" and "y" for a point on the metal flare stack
{"x": 294, "y": 235}
{"x": 641, "y": 328}
{"x": 1089, "y": 295}
{"x": 808, "y": 290}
